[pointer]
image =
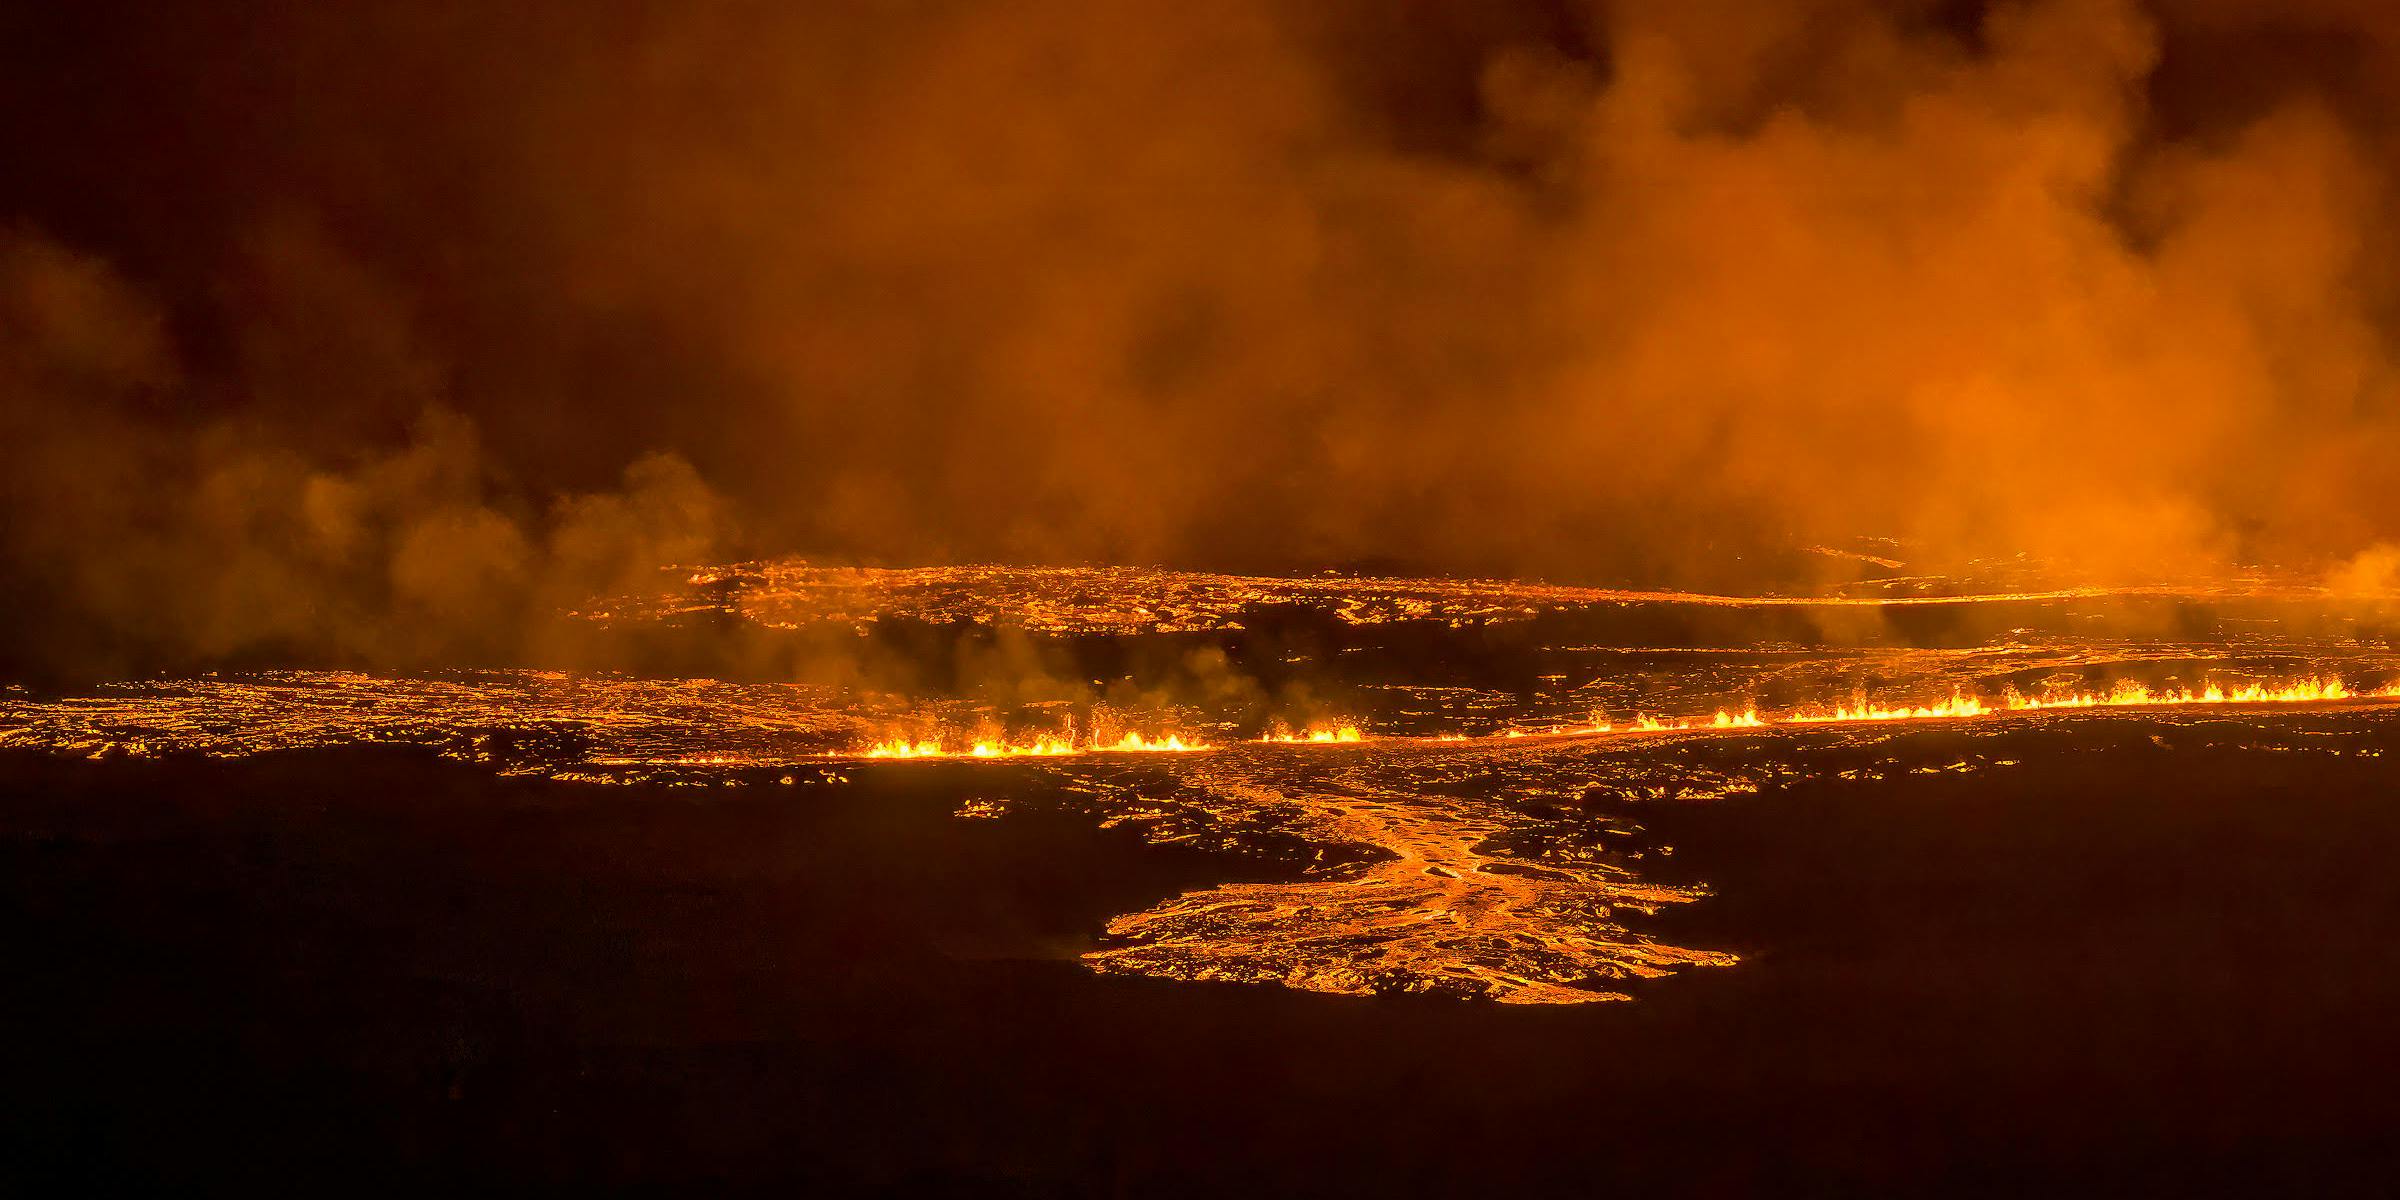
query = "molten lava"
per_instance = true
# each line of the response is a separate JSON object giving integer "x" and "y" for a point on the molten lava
{"x": 1958, "y": 705}
{"x": 1317, "y": 735}
{"x": 2134, "y": 694}
{"x": 1460, "y": 854}
{"x": 1038, "y": 746}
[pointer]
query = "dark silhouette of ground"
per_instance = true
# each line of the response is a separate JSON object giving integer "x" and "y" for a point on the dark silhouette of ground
{"x": 2137, "y": 971}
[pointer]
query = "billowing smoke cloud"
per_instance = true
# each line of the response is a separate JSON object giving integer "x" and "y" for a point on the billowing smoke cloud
{"x": 134, "y": 539}
{"x": 378, "y": 326}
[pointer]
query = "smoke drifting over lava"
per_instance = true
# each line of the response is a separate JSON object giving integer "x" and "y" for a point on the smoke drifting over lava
{"x": 371, "y": 329}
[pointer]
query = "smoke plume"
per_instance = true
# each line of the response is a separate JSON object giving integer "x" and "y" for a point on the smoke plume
{"x": 376, "y": 328}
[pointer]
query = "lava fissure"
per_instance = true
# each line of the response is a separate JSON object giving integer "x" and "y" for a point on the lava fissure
{"x": 1959, "y": 705}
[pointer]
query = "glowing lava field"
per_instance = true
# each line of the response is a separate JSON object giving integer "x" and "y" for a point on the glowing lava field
{"x": 1465, "y": 765}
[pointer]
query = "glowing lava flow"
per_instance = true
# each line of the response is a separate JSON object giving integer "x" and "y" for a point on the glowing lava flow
{"x": 2131, "y": 694}
{"x": 1042, "y": 746}
{"x": 2128, "y": 694}
{"x": 1748, "y": 718}
{"x": 1318, "y": 735}
{"x": 1958, "y": 705}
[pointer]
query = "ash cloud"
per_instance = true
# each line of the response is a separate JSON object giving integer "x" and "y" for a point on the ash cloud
{"x": 375, "y": 329}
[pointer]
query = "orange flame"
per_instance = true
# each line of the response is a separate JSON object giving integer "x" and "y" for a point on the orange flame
{"x": 2130, "y": 693}
{"x": 1134, "y": 743}
{"x": 1039, "y": 746}
{"x": 1958, "y": 705}
{"x": 1315, "y": 735}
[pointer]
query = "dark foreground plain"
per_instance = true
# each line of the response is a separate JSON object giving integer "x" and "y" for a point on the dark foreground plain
{"x": 2125, "y": 969}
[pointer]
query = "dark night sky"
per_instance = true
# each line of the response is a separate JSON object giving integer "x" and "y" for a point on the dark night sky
{"x": 353, "y": 324}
